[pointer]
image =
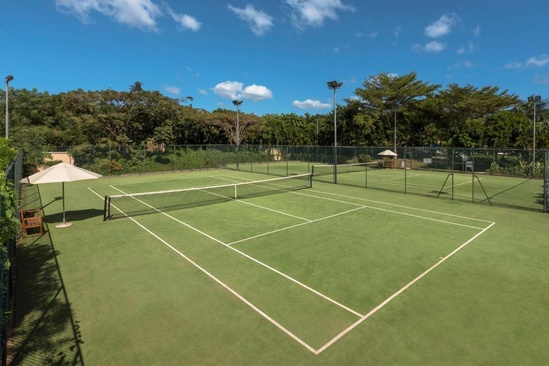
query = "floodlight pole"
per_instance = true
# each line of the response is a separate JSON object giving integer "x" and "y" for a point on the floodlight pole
{"x": 237, "y": 103}
{"x": 335, "y": 85}
{"x": 8, "y": 79}
{"x": 395, "y": 140}
{"x": 534, "y": 99}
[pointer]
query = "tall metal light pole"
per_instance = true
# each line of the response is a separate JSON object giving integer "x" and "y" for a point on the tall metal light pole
{"x": 395, "y": 140}
{"x": 8, "y": 79}
{"x": 237, "y": 103}
{"x": 335, "y": 85}
{"x": 534, "y": 99}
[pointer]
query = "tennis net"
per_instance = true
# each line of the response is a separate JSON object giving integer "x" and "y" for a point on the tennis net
{"x": 328, "y": 169}
{"x": 142, "y": 203}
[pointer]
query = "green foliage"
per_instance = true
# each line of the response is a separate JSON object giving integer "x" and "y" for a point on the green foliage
{"x": 362, "y": 158}
{"x": 9, "y": 222}
{"x": 7, "y": 153}
{"x": 457, "y": 116}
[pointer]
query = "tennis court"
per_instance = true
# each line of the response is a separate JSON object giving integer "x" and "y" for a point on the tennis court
{"x": 287, "y": 273}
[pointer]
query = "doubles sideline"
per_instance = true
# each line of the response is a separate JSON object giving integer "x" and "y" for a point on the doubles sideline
{"x": 274, "y": 322}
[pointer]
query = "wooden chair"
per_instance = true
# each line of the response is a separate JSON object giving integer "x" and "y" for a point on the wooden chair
{"x": 31, "y": 222}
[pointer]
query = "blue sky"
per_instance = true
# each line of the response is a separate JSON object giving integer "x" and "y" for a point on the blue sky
{"x": 275, "y": 55}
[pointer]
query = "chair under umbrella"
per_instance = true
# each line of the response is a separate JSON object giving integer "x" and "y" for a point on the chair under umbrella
{"x": 61, "y": 173}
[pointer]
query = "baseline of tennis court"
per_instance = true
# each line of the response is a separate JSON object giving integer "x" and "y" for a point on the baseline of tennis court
{"x": 315, "y": 264}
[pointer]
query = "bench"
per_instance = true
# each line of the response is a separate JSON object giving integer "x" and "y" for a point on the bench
{"x": 31, "y": 222}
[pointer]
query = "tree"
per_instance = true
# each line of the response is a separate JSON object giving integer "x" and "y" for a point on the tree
{"x": 385, "y": 95}
{"x": 226, "y": 121}
{"x": 461, "y": 113}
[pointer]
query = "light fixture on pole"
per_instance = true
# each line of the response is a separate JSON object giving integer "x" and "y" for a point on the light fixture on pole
{"x": 534, "y": 99}
{"x": 237, "y": 103}
{"x": 335, "y": 85}
{"x": 395, "y": 137}
{"x": 8, "y": 79}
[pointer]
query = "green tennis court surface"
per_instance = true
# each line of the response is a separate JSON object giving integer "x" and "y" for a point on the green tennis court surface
{"x": 332, "y": 274}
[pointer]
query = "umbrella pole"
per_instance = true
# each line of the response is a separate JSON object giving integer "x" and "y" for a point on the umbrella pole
{"x": 63, "y": 194}
{"x": 64, "y": 223}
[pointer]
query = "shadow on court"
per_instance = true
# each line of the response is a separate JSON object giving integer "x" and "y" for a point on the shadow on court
{"x": 44, "y": 329}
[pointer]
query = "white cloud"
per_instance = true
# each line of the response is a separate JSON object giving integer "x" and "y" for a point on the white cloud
{"x": 442, "y": 26}
{"x": 141, "y": 14}
{"x": 534, "y": 61}
{"x": 186, "y": 21}
{"x": 229, "y": 89}
{"x": 539, "y": 61}
{"x": 396, "y": 34}
{"x": 172, "y": 89}
{"x": 543, "y": 80}
{"x": 315, "y": 12}
{"x": 311, "y": 104}
{"x": 370, "y": 35}
{"x": 431, "y": 47}
{"x": 513, "y": 65}
{"x": 468, "y": 64}
{"x": 470, "y": 48}
{"x": 259, "y": 21}
{"x": 202, "y": 92}
{"x": 477, "y": 31}
{"x": 434, "y": 47}
{"x": 256, "y": 92}
{"x": 234, "y": 90}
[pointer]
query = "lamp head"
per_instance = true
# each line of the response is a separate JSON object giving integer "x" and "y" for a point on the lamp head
{"x": 534, "y": 98}
{"x": 334, "y": 84}
{"x": 237, "y": 102}
{"x": 9, "y": 78}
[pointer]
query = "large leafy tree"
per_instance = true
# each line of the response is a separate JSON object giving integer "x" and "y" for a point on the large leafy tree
{"x": 384, "y": 95}
{"x": 461, "y": 113}
{"x": 225, "y": 120}
{"x": 455, "y": 116}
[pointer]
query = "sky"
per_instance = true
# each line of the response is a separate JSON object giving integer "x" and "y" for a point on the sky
{"x": 275, "y": 55}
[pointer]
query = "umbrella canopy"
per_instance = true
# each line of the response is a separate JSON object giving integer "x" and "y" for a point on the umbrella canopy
{"x": 61, "y": 173}
{"x": 387, "y": 153}
{"x": 58, "y": 173}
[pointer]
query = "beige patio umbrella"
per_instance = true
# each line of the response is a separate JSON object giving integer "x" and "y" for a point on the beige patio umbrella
{"x": 61, "y": 173}
{"x": 387, "y": 153}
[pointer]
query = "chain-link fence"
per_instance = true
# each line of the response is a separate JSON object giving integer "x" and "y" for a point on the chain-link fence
{"x": 490, "y": 176}
{"x": 13, "y": 175}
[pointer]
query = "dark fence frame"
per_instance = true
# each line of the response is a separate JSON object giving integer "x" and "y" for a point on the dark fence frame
{"x": 282, "y": 160}
{"x": 13, "y": 174}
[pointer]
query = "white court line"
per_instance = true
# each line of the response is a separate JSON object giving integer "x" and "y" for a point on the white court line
{"x": 345, "y": 331}
{"x": 378, "y": 202}
{"x": 262, "y": 207}
{"x": 329, "y": 299}
{"x": 399, "y": 206}
{"x": 393, "y": 212}
{"x": 390, "y": 298}
{"x": 296, "y": 225}
{"x": 221, "y": 283}
{"x": 273, "y": 210}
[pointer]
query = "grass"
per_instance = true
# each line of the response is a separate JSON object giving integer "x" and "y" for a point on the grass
{"x": 111, "y": 293}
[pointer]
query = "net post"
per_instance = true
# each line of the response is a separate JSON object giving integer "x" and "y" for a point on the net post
{"x": 106, "y": 206}
{"x": 235, "y": 191}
